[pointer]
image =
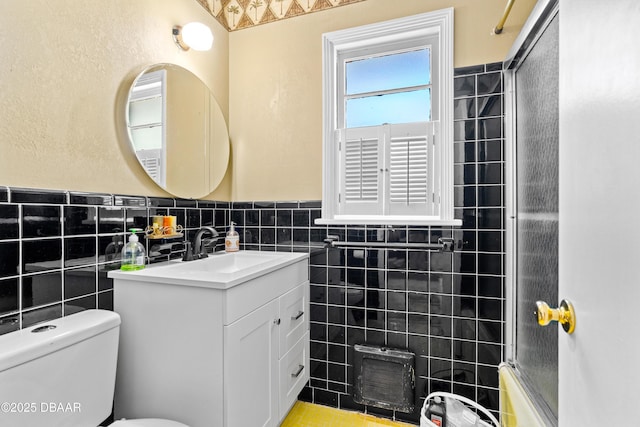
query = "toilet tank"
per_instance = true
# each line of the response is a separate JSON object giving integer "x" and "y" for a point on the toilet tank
{"x": 60, "y": 373}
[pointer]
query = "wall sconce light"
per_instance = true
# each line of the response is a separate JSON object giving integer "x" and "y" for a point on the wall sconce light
{"x": 194, "y": 35}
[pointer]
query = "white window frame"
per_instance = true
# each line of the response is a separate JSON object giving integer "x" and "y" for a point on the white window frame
{"x": 394, "y": 35}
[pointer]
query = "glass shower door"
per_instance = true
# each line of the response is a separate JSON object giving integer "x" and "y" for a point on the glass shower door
{"x": 534, "y": 215}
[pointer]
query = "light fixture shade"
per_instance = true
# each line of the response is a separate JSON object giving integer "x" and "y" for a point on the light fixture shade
{"x": 197, "y": 36}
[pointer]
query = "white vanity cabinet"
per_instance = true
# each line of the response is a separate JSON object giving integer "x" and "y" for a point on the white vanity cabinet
{"x": 266, "y": 355}
{"x": 212, "y": 355}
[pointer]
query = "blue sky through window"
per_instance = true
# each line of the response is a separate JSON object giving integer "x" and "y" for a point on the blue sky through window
{"x": 403, "y": 107}
{"x": 384, "y": 73}
{"x": 395, "y": 71}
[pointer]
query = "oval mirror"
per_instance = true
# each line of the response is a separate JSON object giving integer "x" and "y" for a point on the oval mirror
{"x": 177, "y": 131}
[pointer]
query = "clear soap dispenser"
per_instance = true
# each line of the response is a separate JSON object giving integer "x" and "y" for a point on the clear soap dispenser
{"x": 132, "y": 253}
{"x": 232, "y": 239}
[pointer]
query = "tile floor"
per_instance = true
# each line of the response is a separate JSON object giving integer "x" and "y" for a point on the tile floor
{"x": 305, "y": 414}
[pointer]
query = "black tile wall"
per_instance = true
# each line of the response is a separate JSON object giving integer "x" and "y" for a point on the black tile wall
{"x": 40, "y": 221}
{"x": 79, "y": 220}
{"x": 4, "y": 194}
{"x": 39, "y": 197}
{"x": 446, "y": 308}
{"x": 56, "y": 248}
{"x": 9, "y": 227}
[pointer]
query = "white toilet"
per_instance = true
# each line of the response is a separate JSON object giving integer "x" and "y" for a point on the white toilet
{"x": 62, "y": 373}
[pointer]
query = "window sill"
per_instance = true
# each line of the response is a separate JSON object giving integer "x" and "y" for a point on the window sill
{"x": 388, "y": 220}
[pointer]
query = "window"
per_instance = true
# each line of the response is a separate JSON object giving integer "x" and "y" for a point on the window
{"x": 390, "y": 88}
{"x": 388, "y": 122}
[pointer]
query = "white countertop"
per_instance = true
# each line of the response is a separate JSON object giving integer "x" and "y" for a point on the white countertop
{"x": 218, "y": 271}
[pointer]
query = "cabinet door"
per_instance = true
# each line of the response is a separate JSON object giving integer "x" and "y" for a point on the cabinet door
{"x": 251, "y": 369}
{"x": 294, "y": 310}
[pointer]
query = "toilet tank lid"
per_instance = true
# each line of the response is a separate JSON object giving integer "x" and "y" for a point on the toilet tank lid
{"x": 25, "y": 345}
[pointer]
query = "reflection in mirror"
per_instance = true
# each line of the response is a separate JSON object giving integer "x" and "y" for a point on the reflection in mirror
{"x": 146, "y": 124}
{"x": 177, "y": 130}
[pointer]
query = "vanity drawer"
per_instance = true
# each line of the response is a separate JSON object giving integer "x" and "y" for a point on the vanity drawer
{"x": 249, "y": 296}
{"x": 294, "y": 316}
{"x": 294, "y": 374}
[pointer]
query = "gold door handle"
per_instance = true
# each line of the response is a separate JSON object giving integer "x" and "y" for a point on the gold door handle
{"x": 565, "y": 315}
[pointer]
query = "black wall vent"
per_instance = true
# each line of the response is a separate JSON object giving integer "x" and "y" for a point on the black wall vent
{"x": 384, "y": 378}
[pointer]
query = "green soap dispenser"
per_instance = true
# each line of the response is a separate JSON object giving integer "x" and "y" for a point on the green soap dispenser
{"x": 132, "y": 253}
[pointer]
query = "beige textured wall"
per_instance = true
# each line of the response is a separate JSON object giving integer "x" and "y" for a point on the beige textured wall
{"x": 275, "y": 86}
{"x": 65, "y": 69}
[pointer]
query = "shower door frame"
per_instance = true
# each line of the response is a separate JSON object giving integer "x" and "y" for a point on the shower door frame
{"x": 542, "y": 14}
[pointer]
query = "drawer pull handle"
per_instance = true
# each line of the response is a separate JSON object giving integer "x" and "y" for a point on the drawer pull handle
{"x": 276, "y": 322}
{"x": 297, "y": 316}
{"x": 297, "y": 373}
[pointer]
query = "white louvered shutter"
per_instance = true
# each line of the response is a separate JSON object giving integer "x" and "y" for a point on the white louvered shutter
{"x": 361, "y": 189}
{"x": 152, "y": 166}
{"x": 410, "y": 174}
{"x": 151, "y": 160}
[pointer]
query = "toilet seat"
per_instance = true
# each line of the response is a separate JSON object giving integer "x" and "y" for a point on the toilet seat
{"x": 147, "y": 422}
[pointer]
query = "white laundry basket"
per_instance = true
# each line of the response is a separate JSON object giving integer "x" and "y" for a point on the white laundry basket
{"x": 425, "y": 422}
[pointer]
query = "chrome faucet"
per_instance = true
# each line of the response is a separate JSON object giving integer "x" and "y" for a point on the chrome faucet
{"x": 199, "y": 250}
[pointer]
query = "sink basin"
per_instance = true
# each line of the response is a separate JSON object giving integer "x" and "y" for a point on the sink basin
{"x": 220, "y": 270}
{"x": 230, "y": 263}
